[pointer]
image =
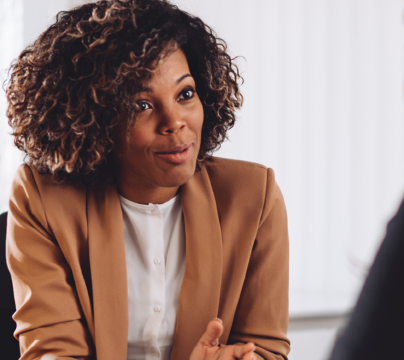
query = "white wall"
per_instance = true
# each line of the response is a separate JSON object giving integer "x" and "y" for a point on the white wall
{"x": 312, "y": 344}
{"x": 323, "y": 107}
{"x": 11, "y": 43}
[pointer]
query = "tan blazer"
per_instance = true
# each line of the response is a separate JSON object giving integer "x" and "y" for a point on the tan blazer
{"x": 66, "y": 255}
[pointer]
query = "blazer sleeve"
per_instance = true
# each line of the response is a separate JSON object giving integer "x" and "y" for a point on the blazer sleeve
{"x": 262, "y": 312}
{"x": 48, "y": 316}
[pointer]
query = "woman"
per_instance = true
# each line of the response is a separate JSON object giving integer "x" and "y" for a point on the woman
{"x": 126, "y": 239}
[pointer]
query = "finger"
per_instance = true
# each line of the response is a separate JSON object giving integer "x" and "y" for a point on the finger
{"x": 212, "y": 333}
{"x": 249, "y": 356}
{"x": 244, "y": 351}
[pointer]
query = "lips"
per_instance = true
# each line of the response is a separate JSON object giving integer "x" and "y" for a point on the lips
{"x": 176, "y": 149}
{"x": 176, "y": 155}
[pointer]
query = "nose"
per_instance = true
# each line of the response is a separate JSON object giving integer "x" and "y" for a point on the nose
{"x": 171, "y": 122}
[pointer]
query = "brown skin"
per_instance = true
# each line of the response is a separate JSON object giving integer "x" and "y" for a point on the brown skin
{"x": 172, "y": 115}
{"x": 208, "y": 349}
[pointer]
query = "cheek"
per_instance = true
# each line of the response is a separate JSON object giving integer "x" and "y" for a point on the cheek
{"x": 197, "y": 120}
{"x": 140, "y": 137}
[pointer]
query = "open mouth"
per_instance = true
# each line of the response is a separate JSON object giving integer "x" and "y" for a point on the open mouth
{"x": 177, "y": 155}
{"x": 176, "y": 152}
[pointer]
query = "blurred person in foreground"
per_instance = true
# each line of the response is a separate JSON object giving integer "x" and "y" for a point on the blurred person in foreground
{"x": 375, "y": 330}
{"x": 126, "y": 238}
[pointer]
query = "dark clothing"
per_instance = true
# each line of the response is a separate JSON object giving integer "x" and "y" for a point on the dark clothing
{"x": 376, "y": 328}
{"x": 9, "y": 346}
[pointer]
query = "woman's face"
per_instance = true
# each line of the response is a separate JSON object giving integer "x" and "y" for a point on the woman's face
{"x": 165, "y": 140}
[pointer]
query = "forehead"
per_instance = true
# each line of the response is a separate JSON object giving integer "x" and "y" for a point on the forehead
{"x": 172, "y": 68}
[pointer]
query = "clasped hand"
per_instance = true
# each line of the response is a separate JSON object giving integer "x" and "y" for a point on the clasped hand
{"x": 209, "y": 348}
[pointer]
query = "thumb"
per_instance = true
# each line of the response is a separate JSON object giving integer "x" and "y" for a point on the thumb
{"x": 212, "y": 333}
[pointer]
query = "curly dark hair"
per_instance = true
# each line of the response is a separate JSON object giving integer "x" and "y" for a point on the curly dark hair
{"x": 71, "y": 91}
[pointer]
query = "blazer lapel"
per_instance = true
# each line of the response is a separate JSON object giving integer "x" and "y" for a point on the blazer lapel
{"x": 200, "y": 291}
{"x": 108, "y": 273}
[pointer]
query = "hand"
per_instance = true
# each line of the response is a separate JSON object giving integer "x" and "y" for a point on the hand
{"x": 208, "y": 347}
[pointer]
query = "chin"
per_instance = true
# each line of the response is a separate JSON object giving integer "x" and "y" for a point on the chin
{"x": 178, "y": 178}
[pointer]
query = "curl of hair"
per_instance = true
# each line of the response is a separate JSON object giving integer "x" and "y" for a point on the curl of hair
{"x": 71, "y": 91}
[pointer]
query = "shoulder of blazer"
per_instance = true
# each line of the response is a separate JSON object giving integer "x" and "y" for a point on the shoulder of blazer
{"x": 215, "y": 161}
{"x": 27, "y": 176}
{"x": 58, "y": 202}
{"x": 246, "y": 185}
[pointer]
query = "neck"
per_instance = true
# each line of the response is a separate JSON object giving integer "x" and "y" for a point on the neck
{"x": 141, "y": 194}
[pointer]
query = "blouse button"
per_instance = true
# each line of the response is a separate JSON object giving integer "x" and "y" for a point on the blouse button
{"x": 155, "y": 212}
{"x": 157, "y": 260}
{"x": 157, "y": 308}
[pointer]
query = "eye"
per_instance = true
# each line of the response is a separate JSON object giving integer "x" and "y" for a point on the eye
{"x": 187, "y": 94}
{"x": 144, "y": 105}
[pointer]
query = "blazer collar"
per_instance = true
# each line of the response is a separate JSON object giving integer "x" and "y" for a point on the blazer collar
{"x": 200, "y": 291}
{"x": 108, "y": 273}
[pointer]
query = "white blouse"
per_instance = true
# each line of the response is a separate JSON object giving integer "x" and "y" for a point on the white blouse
{"x": 155, "y": 261}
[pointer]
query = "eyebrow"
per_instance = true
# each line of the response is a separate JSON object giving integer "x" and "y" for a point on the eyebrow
{"x": 182, "y": 78}
{"x": 148, "y": 90}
